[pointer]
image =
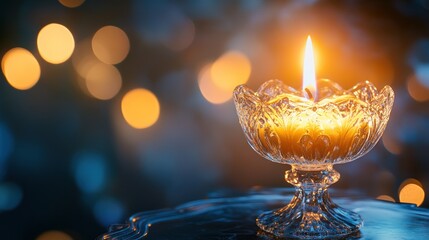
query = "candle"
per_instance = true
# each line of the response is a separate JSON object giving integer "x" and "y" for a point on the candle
{"x": 314, "y": 127}
{"x": 317, "y": 133}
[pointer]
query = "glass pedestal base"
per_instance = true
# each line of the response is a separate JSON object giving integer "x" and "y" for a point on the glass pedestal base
{"x": 311, "y": 214}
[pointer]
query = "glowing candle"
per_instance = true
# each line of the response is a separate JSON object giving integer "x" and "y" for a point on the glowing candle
{"x": 316, "y": 133}
{"x": 309, "y": 74}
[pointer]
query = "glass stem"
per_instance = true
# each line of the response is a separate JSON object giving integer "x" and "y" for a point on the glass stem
{"x": 311, "y": 214}
{"x": 311, "y": 186}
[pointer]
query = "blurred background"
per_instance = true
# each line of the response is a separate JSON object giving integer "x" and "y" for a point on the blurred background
{"x": 108, "y": 108}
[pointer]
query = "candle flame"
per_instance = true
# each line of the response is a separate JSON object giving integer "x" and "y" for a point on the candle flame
{"x": 309, "y": 75}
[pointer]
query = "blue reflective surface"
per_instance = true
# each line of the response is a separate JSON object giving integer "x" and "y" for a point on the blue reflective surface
{"x": 234, "y": 218}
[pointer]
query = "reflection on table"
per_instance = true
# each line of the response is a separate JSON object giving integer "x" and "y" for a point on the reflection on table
{"x": 232, "y": 216}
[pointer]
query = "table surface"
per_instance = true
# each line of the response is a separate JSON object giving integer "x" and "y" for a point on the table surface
{"x": 232, "y": 216}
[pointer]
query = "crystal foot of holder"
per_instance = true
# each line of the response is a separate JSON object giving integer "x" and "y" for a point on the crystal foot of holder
{"x": 311, "y": 213}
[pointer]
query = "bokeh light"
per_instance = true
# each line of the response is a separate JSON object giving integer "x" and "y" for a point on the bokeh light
{"x": 10, "y": 196}
{"x": 417, "y": 90}
{"x": 83, "y": 58}
{"x": 230, "y": 70}
{"x": 108, "y": 211}
{"x": 411, "y": 191}
{"x": 90, "y": 172}
{"x": 210, "y": 91}
{"x": 386, "y": 198}
{"x": 71, "y": 3}
{"x": 391, "y": 144}
{"x": 110, "y": 44}
{"x": 140, "y": 108}
{"x": 55, "y": 43}
{"x": 103, "y": 81}
{"x": 54, "y": 235}
{"x": 20, "y": 68}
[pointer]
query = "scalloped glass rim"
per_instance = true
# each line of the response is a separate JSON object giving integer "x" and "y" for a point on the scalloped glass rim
{"x": 274, "y": 101}
{"x": 327, "y": 89}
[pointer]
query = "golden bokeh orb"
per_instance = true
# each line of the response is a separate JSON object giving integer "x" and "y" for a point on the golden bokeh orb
{"x": 140, "y": 108}
{"x": 21, "y": 69}
{"x": 110, "y": 44}
{"x": 210, "y": 91}
{"x": 411, "y": 191}
{"x": 416, "y": 90}
{"x": 103, "y": 81}
{"x": 230, "y": 70}
{"x": 55, "y": 43}
{"x": 391, "y": 144}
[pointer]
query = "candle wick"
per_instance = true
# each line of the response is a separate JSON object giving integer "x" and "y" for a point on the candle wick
{"x": 309, "y": 94}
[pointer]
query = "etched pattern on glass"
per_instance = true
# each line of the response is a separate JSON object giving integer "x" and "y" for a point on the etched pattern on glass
{"x": 279, "y": 126}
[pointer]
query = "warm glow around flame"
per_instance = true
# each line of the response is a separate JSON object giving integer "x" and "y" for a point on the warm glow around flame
{"x": 309, "y": 75}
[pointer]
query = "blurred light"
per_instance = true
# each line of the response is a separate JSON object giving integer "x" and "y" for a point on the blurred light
{"x": 10, "y": 196}
{"x": 54, "y": 235}
{"x": 210, "y": 91}
{"x": 230, "y": 70}
{"x": 103, "y": 81}
{"x": 6, "y": 143}
{"x": 380, "y": 70}
{"x": 20, "y": 68}
{"x": 55, "y": 43}
{"x": 108, "y": 211}
{"x": 309, "y": 71}
{"x": 140, "y": 108}
{"x": 90, "y": 172}
{"x": 386, "y": 198}
{"x": 411, "y": 191}
{"x": 110, "y": 44}
{"x": 391, "y": 144}
{"x": 83, "y": 58}
{"x": 417, "y": 91}
{"x": 71, "y": 3}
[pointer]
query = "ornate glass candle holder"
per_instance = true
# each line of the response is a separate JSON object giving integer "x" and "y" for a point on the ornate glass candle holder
{"x": 312, "y": 135}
